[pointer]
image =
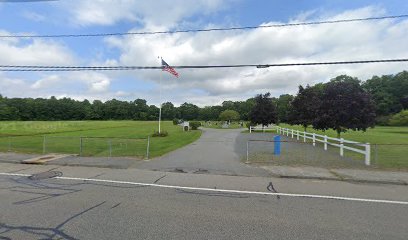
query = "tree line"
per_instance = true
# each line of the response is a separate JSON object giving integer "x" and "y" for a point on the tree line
{"x": 52, "y": 109}
{"x": 387, "y": 95}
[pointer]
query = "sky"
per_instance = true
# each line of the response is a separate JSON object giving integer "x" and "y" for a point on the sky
{"x": 380, "y": 39}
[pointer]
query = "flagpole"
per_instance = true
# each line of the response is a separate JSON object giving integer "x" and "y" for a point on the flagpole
{"x": 160, "y": 96}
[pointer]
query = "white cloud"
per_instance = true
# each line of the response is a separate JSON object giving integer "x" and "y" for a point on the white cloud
{"x": 96, "y": 82}
{"x": 33, "y": 16}
{"x": 159, "y": 13}
{"x": 33, "y": 52}
{"x": 329, "y": 42}
{"x": 47, "y": 82}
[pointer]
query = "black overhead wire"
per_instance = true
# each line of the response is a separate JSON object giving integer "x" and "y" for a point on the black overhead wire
{"x": 204, "y": 30}
{"x": 21, "y": 68}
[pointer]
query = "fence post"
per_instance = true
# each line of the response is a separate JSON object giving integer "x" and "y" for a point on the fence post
{"x": 375, "y": 154}
{"x": 314, "y": 139}
{"x": 325, "y": 142}
{"x": 148, "y": 145}
{"x": 304, "y": 136}
{"x": 247, "y": 152}
{"x": 297, "y": 135}
{"x": 292, "y": 133}
{"x": 250, "y": 129}
{"x": 341, "y": 147}
{"x": 44, "y": 145}
{"x": 367, "y": 154}
{"x": 110, "y": 147}
{"x": 80, "y": 146}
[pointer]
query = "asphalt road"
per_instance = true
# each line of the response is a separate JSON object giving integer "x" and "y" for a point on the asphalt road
{"x": 215, "y": 152}
{"x": 79, "y": 209}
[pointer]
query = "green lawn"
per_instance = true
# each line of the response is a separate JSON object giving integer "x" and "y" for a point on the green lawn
{"x": 389, "y": 145}
{"x": 99, "y": 138}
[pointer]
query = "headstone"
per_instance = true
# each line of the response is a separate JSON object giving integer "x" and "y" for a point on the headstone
{"x": 186, "y": 126}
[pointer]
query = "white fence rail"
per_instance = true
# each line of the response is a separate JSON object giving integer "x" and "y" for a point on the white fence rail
{"x": 362, "y": 148}
{"x": 262, "y": 128}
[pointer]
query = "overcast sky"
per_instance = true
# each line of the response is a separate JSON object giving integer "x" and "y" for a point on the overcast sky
{"x": 330, "y": 42}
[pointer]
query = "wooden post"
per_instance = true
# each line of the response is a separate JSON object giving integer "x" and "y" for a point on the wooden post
{"x": 341, "y": 147}
{"x": 314, "y": 139}
{"x": 80, "y": 146}
{"x": 325, "y": 142}
{"x": 44, "y": 147}
{"x": 247, "y": 152}
{"x": 148, "y": 146}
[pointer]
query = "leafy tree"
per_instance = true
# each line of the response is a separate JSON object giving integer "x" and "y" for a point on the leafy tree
{"x": 390, "y": 92}
{"x": 264, "y": 111}
{"x": 153, "y": 113}
{"x": 188, "y": 111}
{"x": 140, "y": 109}
{"x": 228, "y": 105}
{"x": 229, "y": 115}
{"x": 345, "y": 105}
{"x": 206, "y": 113}
{"x": 304, "y": 107}
{"x": 399, "y": 119}
{"x": 168, "y": 111}
{"x": 284, "y": 105}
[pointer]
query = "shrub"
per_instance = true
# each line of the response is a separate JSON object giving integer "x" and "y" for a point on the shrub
{"x": 161, "y": 134}
{"x": 175, "y": 121}
{"x": 399, "y": 119}
{"x": 194, "y": 125}
{"x": 383, "y": 120}
{"x": 248, "y": 124}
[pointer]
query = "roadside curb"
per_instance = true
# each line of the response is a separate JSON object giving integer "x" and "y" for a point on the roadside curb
{"x": 344, "y": 179}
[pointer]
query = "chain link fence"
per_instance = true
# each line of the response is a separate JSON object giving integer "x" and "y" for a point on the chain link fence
{"x": 81, "y": 146}
{"x": 260, "y": 149}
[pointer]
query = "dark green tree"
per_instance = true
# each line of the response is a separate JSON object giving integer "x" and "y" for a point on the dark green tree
{"x": 229, "y": 115}
{"x": 345, "y": 105}
{"x": 168, "y": 111}
{"x": 304, "y": 107}
{"x": 264, "y": 110}
{"x": 283, "y": 107}
{"x": 188, "y": 111}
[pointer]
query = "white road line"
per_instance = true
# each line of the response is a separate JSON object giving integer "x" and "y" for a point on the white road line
{"x": 221, "y": 190}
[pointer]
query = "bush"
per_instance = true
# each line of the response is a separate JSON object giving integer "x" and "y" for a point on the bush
{"x": 383, "y": 120}
{"x": 399, "y": 119}
{"x": 248, "y": 124}
{"x": 175, "y": 121}
{"x": 161, "y": 134}
{"x": 194, "y": 125}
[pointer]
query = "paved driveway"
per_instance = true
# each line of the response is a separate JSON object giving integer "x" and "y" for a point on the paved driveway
{"x": 215, "y": 152}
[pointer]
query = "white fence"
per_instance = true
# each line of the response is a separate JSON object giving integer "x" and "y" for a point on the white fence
{"x": 362, "y": 148}
{"x": 262, "y": 128}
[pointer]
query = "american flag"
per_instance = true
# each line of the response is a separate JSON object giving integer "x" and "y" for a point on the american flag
{"x": 166, "y": 67}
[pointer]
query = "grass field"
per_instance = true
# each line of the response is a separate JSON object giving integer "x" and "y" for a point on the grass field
{"x": 389, "y": 145}
{"x": 99, "y": 138}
